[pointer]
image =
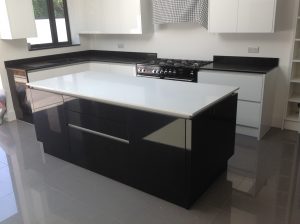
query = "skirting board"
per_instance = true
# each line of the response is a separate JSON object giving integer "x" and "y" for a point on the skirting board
{"x": 247, "y": 131}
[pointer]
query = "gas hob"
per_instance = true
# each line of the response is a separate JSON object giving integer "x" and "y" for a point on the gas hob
{"x": 173, "y": 69}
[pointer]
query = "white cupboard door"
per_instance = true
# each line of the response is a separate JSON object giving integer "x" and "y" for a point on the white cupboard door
{"x": 101, "y": 17}
{"x": 248, "y": 114}
{"x": 256, "y": 16}
{"x": 92, "y": 16}
{"x": 110, "y": 16}
{"x": 130, "y": 16}
{"x": 17, "y": 19}
{"x": 223, "y": 16}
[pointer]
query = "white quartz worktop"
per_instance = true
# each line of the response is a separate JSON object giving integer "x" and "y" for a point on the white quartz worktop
{"x": 175, "y": 98}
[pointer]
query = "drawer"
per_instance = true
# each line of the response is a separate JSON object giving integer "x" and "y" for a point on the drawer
{"x": 97, "y": 126}
{"x": 248, "y": 114}
{"x": 100, "y": 110}
{"x": 251, "y": 85}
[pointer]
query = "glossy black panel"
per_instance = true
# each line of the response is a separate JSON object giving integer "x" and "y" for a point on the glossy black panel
{"x": 102, "y": 125}
{"x": 172, "y": 158}
{"x": 157, "y": 155}
{"x": 99, "y": 154}
{"x": 51, "y": 130}
{"x": 96, "y": 109}
{"x": 213, "y": 139}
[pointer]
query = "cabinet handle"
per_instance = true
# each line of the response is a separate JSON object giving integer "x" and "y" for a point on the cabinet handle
{"x": 99, "y": 134}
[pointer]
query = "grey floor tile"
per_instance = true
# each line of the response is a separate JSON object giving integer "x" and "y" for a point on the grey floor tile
{"x": 261, "y": 186}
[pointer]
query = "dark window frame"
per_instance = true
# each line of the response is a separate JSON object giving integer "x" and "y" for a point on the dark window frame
{"x": 55, "y": 43}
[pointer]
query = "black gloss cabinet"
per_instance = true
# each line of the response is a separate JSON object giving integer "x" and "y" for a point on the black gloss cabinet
{"x": 173, "y": 158}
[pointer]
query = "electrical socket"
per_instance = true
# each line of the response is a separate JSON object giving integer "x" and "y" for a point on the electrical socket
{"x": 121, "y": 45}
{"x": 253, "y": 50}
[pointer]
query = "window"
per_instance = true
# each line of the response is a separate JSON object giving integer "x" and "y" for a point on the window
{"x": 52, "y": 24}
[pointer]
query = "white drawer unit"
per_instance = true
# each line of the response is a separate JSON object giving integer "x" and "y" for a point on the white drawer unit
{"x": 255, "y": 98}
{"x": 251, "y": 85}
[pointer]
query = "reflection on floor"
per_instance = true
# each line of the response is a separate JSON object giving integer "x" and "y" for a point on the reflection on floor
{"x": 262, "y": 185}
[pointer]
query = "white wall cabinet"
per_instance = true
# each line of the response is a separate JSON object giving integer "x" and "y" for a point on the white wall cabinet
{"x": 255, "y": 98}
{"x": 17, "y": 19}
{"x": 116, "y": 17}
{"x": 242, "y": 16}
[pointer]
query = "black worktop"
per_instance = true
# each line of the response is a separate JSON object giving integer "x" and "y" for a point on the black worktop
{"x": 242, "y": 64}
{"x": 43, "y": 62}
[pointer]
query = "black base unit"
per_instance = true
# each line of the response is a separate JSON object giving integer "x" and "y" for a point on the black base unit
{"x": 173, "y": 158}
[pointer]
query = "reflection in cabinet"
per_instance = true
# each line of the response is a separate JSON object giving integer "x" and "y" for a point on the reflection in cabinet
{"x": 49, "y": 120}
{"x": 17, "y": 79}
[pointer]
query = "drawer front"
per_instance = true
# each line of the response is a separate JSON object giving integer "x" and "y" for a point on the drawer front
{"x": 100, "y": 110}
{"x": 99, "y": 154}
{"x": 98, "y": 126}
{"x": 248, "y": 114}
{"x": 251, "y": 86}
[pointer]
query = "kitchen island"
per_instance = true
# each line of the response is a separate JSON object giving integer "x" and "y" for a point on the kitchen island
{"x": 170, "y": 139}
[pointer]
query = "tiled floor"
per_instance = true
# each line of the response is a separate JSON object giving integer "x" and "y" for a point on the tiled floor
{"x": 260, "y": 186}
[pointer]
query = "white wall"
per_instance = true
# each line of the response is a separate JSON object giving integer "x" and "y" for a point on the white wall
{"x": 192, "y": 42}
